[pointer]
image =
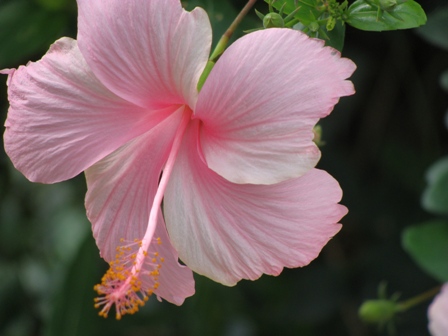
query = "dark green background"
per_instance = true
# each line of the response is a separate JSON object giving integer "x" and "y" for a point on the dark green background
{"x": 379, "y": 144}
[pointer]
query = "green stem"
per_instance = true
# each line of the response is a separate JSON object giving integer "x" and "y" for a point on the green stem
{"x": 222, "y": 43}
{"x": 405, "y": 305}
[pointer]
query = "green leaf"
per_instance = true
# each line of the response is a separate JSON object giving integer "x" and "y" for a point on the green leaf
{"x": 308, "y": 15}
{"x": 435, "y": 196}
{"x": 428, "y": 245}
{"x": 368, "y": 15}
{"x": 436, "y": 30}
{"x": 307, "y": 12}
{"x": 336, "y": 36}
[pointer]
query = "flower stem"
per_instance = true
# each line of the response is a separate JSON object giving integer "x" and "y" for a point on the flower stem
{"x": 222, "y": 43}
{"x": 405, "y": 305}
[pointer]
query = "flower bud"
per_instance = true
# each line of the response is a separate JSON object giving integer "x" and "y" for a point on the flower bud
{"x": 378, "y": 311}
{"x": 387, "y": 4}
{"x": 273, "y": 20}
{"x": 317, "y": 130}
{"x": 331, "y": 23}
{"x": 313, "y": 26}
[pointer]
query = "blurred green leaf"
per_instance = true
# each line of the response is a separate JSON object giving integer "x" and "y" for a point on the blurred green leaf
{"x": 435, "y": 196}
{"x": 444, "y": 80}
{"x": 25, "y": 29}
{"x": 19, "y": 326}
{"x": 369, "y": 15}
{"x": 436, "y": 29}
{"x": 10, "y": 295}
{"x": 220, "y": 13}
{"x": 73, "y": 312}
{"x": 428, "y": 245}
{"x": 54, "y": 4}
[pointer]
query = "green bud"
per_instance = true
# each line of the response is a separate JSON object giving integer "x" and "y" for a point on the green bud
{"x": 331, "y": 23}
{"x": 387, "y": 4}
{"x": 273, "y": 20}
{"x": 378, "y": 311}
{"x": 317, "y": 130}
{"x": 313, "y": 26}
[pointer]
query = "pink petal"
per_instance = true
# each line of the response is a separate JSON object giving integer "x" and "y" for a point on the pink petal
{"x": 8, "y": 72}
{"x": 230, "y": 232}
{"x": 121, "y": 188}
{"x": 438, "y": 313}
{"x": 148, "y": 52}
{"x": 261, "y": 101}
{"x": 61, "y": 119}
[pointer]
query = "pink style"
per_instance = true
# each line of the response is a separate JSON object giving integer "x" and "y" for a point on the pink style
{"x": 233, "y": 164}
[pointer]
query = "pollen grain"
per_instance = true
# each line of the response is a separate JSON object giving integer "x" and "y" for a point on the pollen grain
{"x": 130, "y": 280}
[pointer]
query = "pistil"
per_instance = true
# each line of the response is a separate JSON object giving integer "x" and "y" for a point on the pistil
{"x": 123, "y": 284}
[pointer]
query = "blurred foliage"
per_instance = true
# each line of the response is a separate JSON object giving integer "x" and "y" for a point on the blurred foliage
{"x": 435, "y": 196}
{"x": 379, "y": 144}
{"x": 427, "y": 243}
{"x": 436, "y": 29}
{"x": 29, "y": 27}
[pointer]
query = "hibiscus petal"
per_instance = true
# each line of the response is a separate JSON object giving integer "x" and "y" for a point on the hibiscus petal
{"x": 148, "y": 52}
{"x": 121, "y": 188}
{"x": 230, "y": 232}
{"x": 61, "y": 119}
{"x": 438, "y": 313}
{"x": 261, "y": 101}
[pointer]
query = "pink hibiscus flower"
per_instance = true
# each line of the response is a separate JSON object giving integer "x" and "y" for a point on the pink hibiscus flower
{"x": 233, "y": 164}
{"x": 438, "y": 313}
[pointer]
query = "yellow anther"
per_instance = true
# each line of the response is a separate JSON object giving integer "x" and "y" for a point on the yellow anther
{"x": 121, "y": 286}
